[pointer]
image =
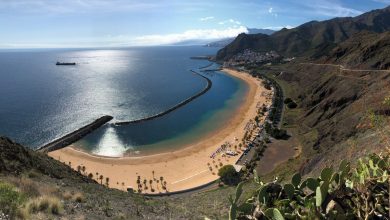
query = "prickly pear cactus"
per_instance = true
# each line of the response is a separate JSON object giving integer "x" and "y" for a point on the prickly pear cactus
{"x": 362, "y": 192}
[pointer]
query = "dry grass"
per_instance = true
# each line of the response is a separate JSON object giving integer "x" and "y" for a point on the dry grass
{"x": 26, "y": 185}
{"x": 79, "y": 197}
{"x": 45, "y": 204}
{"x": 31, "y": 188}
{"x": 76, "y": 197}
{"x": 67, "y": 195}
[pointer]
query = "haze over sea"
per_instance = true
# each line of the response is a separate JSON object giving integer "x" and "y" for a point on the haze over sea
{"x": 41, "y": 101}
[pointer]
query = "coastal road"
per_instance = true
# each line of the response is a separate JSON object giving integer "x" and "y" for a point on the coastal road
{"x": 342, "y": 68}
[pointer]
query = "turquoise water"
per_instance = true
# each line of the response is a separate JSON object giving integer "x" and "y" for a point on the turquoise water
{"x": 179, "y": 128}
{"x": 41, "y": 101}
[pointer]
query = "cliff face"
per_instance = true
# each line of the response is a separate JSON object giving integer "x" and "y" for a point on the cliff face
{"x": 312, "y": 38}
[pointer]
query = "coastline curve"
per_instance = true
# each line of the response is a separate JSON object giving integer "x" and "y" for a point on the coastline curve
{"x": 180, "y": 104}
{"x": 74, "y": 136}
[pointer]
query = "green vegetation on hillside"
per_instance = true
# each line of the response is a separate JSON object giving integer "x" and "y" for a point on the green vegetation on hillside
{"x": 229, "y": 175}
{"x": 362, "y": 192}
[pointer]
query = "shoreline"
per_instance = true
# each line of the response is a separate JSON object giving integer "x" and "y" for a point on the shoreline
{"x": 182, "y": 169}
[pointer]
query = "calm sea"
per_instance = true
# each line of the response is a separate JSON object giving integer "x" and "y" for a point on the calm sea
{"x": 40, "y": 101}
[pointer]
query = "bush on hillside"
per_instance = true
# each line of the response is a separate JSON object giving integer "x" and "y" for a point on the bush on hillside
{"x": 275, "y": 132}
{"x": 287, "y": 100}
{"x": 10, "y": 200}
{"x": 229, "y": 175}
{"x": 292, "y": 105}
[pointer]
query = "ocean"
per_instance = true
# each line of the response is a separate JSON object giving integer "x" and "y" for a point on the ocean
{"x": 40, "y": 101}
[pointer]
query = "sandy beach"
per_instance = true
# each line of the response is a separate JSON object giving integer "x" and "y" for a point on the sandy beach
{"x": 178, "y": 170}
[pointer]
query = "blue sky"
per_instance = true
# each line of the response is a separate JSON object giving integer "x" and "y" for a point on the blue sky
{"x": 93, "y": 23}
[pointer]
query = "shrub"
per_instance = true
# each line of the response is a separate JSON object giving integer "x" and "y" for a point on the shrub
{"x": 79, "y": 197}
{"x": 28, "y": 187}
{"x": 44, "y": 204}
{"x": 10, "y": 199}
{"x": 56, "y": 207}
{"x": 67, "y": 195}
{"x": 275, "y": 132}
{"x": 229, "y": 175}
{"x": 267, "y": 85}
{"x": 287, "y": 100}
{"x": 292, "y": 105}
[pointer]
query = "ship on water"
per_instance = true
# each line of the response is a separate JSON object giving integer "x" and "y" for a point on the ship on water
{"x": 64, "y": 63}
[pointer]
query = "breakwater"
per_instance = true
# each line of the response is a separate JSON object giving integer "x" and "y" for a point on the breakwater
{"x": 180, "y": 104}
{"x": 74, "y": 136}
{"x": 207, "y": 66}
{"x": 211, "y": 70}
{"x": 201, "y": 57}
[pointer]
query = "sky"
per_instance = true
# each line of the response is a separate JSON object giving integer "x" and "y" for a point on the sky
{"x": 115, "y": 23}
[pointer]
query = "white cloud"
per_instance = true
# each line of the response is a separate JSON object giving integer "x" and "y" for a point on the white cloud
{"x": 207, "y": 18}
{"x": 230, "y": 21}
{"x": 272, "y": 12}
{"x": 196, "y": 34}
{"x": 329, "y": 8}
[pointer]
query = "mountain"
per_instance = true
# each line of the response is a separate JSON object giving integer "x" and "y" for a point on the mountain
{"x": 363, "y": 50}
{"x": 260, "y": 31}
{"x": 226, "y": 41}
{"x": 312, "y": 38}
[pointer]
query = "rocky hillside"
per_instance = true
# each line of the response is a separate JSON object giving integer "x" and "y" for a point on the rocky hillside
{"x": 312, "y": 38}
{"x": 366, "y": 50}
{"x": 16, "y": 159}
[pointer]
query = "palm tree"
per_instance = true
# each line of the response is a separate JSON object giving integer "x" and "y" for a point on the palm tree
{"x": 145, "y": 181}
{"x": 79, "y": 168}
{"x": 83, "y": 169}
{"x": 164, "y": 186}
{"x": 153, "y": 174}
{"x": 107, "y": 180}
{"x": 90, "y": 175}
{"x": 101, "y": 179}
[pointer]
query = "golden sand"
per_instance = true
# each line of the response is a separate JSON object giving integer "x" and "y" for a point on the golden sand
{"x": 181, "y": 169}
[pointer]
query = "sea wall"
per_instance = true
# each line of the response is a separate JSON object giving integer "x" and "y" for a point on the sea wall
{"x": 207, "y": 66}
{"x": 74, "y": 136}
{"x": 180, "y": 104}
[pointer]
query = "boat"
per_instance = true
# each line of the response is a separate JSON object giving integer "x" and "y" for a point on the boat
{"x": 61, "y": 63}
